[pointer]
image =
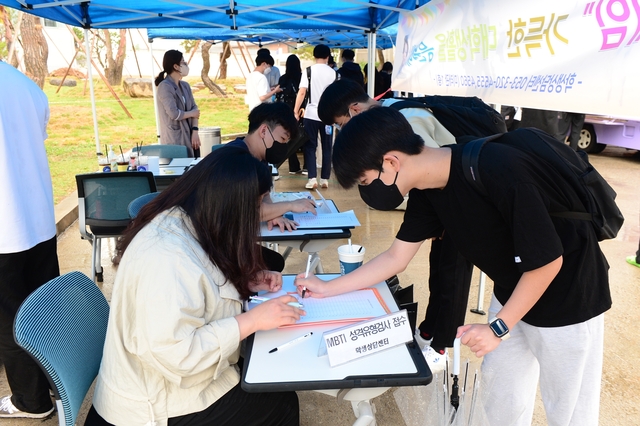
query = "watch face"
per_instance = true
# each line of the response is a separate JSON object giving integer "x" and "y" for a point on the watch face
{"x": 498, "y": 327}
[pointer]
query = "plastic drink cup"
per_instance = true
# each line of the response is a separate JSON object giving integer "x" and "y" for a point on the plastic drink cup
{"x": 350, "y": 257}
{"x": 103, "y": 164}
{"x": 143, "y": 163}
{"x": 122, "y": 166}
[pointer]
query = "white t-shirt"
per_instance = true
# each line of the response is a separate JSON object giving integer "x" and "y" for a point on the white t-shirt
{"x": 322, "y": 75}
{"x": 26, "y": 195}
{"x": 425, "y": 125}
{"x": 274, "y": 76}
{"x": 257, "y": 85}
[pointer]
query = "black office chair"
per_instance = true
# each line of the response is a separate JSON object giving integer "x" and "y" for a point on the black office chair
{"x": 103, "y": 199}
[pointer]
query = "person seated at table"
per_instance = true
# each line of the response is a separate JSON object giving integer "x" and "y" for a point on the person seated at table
{"x": 271, "y": 127}
{"x": 189, "y": 259}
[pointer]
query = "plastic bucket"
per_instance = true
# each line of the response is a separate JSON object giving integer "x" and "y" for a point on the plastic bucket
{"x": 209, "y": 137}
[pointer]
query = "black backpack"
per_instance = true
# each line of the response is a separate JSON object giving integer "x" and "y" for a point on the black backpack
{"x": 462, "y": 116}
{"x": 595, "y": 194}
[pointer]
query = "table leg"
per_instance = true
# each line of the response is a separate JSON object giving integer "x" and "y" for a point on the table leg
{"x": 316, "y": 263}
{"x": 365, "y": 412}
{"x": 287, "y": 252}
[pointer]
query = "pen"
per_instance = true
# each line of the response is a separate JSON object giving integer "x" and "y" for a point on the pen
{"x": 258, "y": 299}
{"x": 291, "y": 342}
{"x": 306, "y": 274}
{"x": 325, "y": 206}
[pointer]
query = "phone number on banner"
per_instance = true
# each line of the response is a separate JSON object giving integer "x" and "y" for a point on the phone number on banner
{"x": 547, "y": 83}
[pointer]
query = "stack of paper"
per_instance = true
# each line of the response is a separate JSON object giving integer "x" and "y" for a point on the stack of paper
{"x": 342, "y": 220}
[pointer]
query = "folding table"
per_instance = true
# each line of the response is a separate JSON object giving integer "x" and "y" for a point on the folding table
{"x": 299, "y": 367}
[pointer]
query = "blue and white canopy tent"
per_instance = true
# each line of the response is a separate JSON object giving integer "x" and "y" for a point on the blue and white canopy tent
{"x": 343, "y": 39}
{"x": 358, "y": 16}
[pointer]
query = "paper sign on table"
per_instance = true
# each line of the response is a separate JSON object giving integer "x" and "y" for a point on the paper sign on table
{"x": 365, "y": 338}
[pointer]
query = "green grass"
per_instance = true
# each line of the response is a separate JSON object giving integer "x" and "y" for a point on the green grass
{"x": 71, "y": 146}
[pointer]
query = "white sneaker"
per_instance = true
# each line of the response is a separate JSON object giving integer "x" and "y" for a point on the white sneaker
{"x": 7, "y": 409}
{"x": 324, "y": 183}
{"x": 276, "y": 177}
{"x": 435, "y": 360}
{"x": 422, "y": 343}
{"x": 312, "y": 184}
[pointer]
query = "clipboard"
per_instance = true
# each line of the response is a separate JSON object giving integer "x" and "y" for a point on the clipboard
{"x": 355, "y": 306}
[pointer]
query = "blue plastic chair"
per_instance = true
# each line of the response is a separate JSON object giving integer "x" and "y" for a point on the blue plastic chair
{"x": 136, "y": 205}
{"x": 62, "y": 325}
{"x": 164, "y": 151}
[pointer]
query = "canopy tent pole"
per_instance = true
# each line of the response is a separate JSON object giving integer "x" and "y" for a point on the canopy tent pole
{"x": 153, "y": 88}
{"x": 93, "y": 95}
{"x": 371, "y": 74}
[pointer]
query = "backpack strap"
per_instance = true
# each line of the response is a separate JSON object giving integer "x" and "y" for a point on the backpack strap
{"x": 408, "y": 104}
{"x": 470, "y": 157}
{"x": 309, "y": 88}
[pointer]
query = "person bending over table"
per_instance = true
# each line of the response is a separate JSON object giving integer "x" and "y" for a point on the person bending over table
{"x": 189, "y": 259}
{"x": 551, "y": 285}
{"x": 271, "y": 127}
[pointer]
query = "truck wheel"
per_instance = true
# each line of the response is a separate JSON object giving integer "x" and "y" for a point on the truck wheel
{"x": 588, "y": 141}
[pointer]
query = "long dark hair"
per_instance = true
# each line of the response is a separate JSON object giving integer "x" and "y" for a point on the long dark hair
{"x": 221, "y": 197}
{"x": 171, "y": 58}
{"x": 293, "y": 69}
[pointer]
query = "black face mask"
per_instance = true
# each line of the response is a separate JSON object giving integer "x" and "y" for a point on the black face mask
{"x": 381, "y": 196}
{"x": 278, "y": 151}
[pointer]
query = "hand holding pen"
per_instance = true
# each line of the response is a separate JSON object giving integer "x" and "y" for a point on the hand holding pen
{"x": 273, "y": 313}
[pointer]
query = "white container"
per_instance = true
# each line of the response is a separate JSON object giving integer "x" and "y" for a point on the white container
{"x": 154, "y": 164}
{"x": 209, "y": 137}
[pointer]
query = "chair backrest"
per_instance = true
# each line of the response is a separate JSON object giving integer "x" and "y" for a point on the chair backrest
{"x": 138, "y": 203}
{"x": 103, "y": 198}
{"x": 165, "y": 151}
{"x": 63, "y": 325}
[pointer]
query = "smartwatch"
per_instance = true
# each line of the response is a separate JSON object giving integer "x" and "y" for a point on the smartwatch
{"x": 194, "y": 128}
{"x": 499, "y": 328}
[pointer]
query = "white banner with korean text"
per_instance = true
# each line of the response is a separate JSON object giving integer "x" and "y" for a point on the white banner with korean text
{"x": 576, "y": 56}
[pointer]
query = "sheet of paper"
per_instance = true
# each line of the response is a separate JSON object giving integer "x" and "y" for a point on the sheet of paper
{"x": 349, "y": 307}
{"x": 275, "y": 232}
{"x": 334, "y": 220}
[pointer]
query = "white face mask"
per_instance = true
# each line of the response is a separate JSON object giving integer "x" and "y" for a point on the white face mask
{"x": 267, "y": 71}
{"x": 184, "y": 70}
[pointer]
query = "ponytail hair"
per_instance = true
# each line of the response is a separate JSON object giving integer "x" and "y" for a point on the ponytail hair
{"x": 171, "y": 58}
{"x": 160, "y": 77}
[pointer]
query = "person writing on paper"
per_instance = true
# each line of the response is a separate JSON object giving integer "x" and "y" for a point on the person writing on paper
{"x": 271, "y": 127}
{"x": 551, "y": 285}
{"x": 189, "y": 259}
{"x": 177, "y": 109}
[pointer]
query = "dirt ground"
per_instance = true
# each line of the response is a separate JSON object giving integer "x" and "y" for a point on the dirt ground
{"x": 620, "y": 400}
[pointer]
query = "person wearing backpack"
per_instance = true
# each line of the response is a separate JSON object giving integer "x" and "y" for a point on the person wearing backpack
{"x": 551, "y": 285}
{"x": 316, "y": 80}
{"x": 449, "y": 272}
{"x": 289, "y": 83}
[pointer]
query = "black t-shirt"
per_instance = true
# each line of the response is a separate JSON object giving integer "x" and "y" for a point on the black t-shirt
{"x": 511, "y": 232}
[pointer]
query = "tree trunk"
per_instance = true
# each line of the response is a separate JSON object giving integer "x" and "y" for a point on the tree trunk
{"x": 36, "y": 50}
{"x": 226, "y": 53}
{"x": 113, "y": 70}
{"x": 380, "y": 57}
{"x": 9, "y": 36}
{"x": 214, "y": 88}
